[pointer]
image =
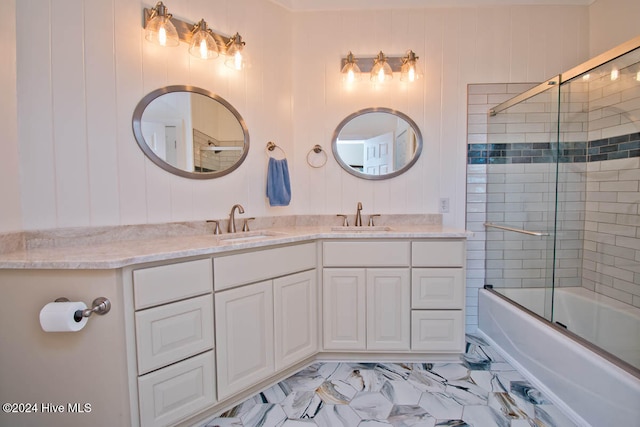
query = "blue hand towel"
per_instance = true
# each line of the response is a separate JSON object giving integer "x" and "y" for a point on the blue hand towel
{"x": 278, "y": 185}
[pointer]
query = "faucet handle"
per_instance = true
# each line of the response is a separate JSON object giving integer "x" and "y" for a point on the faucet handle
{"x": 345, "y": 222}
{"x": 216, "y": 230}
{"x": 245, "y": 227}
{"x": 371, "y": 224}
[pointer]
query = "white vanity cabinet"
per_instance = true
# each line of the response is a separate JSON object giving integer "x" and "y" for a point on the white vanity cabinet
{"x": 394, "y": 295}
{"x": 366, "y": 308}
{"x": 174, "y": 340}
{"x": 263, "y": 326}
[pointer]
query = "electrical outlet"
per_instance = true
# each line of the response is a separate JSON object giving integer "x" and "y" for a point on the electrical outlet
{"x": 444, "y": 205}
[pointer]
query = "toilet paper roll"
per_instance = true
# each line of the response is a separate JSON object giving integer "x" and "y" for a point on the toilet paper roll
{"x": 58, "y": 317}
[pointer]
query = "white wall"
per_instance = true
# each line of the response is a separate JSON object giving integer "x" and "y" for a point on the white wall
{"x": 83, "y": 66}
{"x": 612, "y": 22}
{"x": 456, "y": 46}
{"x": 10, "y": 211}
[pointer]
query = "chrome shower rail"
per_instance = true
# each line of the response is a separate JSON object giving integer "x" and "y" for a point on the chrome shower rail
{"x": 592, "y": 63}
{"x": 516, "y": 230}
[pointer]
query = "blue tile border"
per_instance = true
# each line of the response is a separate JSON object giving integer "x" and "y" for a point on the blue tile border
{"x": 618, "y": 147}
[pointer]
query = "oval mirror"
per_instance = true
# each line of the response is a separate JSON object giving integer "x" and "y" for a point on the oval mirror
{"x": 190, "y": 132}
{"x": 377, "y": 143}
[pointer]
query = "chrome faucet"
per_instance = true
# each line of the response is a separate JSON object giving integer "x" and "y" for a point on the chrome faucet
{"x": 358, "y": 215}
{"x": 231, "y": 228}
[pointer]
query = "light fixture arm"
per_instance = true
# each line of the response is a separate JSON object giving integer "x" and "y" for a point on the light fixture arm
{"x": 366, "y": 63}
{"x": 411, "y": 57}
{"x": 159, "y": 10}
{"x": 236, "y": 40}
{"x": 202, "y": 25}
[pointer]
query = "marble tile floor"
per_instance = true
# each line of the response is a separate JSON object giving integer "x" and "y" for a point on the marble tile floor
{"x": 482, "y": 390}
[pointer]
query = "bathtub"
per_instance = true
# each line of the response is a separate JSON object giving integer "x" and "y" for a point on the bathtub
{"x": 592, "y": 389}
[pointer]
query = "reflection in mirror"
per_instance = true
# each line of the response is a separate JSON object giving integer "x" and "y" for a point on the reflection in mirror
{"x": 377, "y": 143}
{"x": 190, "y": 132}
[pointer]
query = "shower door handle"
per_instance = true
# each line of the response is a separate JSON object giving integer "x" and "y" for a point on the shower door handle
{"x": 516, "y": 230}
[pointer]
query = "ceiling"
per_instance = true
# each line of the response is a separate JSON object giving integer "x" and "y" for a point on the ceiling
{"x": 316, "y": 5}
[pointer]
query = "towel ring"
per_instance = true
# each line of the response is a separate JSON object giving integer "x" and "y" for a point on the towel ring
{"x": 272, "y": 146}
{"x": 317, "y": 149}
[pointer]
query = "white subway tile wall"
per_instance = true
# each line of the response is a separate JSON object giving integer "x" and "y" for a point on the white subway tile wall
{"x": 612, "y": 230}
{"x": 511, "y": 175}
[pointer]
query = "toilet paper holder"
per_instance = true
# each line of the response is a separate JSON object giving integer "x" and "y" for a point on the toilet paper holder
{"x": 100, "y": 305}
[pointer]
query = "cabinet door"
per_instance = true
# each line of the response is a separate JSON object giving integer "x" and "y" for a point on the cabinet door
{"x": 295, "y": 318}
{"x": 173, "y": 332}
{"x": 437, "y": 288}
{"x": 437, "y": 330}
{"x": 344, "y": 308}
{"x": 244, "y": 337}
{"x": 177, "y": 391}
{"x": 388, "y": 309}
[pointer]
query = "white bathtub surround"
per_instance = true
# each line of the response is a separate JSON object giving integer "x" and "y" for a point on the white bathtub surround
{"x": 482, "y": 390}
{"x": 609, "y": 324}
{"x": 589, "y": 385}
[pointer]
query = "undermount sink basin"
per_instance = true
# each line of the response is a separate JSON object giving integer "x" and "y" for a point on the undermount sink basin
{"x": 248, "y": 236}
{"x": 364, "y": 228}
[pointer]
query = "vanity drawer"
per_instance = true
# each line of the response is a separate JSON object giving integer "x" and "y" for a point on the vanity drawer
{"x": 366, "y": 254}
{"x": 173, "y": 332}
{"x": 177, "y": 391}
{"x": 437, "y": 288}
{"x": 239, "y": 269}
{"x": 438, "y": 253}
{"x": 158, "y": 285}
{"x": 437, "y": 330}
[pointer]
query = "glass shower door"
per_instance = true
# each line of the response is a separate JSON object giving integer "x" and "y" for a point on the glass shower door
{"x": 522, "y": 171}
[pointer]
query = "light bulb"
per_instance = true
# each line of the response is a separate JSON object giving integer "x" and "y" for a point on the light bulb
{"x": 162, "y": 36}
{"x": 237, "y": 61}
{"x": 615, "y": 74}
{"x": 351, "y": 76}
{"x": 412, "y": 74}
{"x": 203, "y": 49}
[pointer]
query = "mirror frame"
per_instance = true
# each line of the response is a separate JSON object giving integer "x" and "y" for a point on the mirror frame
{"x": 343, "y": 123}
{"x": 137, "y": 131}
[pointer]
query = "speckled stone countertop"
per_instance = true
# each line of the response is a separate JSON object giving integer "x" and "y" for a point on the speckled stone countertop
{"x": 115, "y": 247}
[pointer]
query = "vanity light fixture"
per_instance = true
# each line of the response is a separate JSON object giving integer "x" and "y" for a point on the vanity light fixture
{"x": 381, "y": 67}
{"x": 203, "y": 45}
{"x": 235, "y": 57}
{"x": 410, "y": 71}
{"x": 381, "y": 70}
{"x": 351, "y": 71}
{"x": 163, "y": 29}
{"x": 158, "y": 26}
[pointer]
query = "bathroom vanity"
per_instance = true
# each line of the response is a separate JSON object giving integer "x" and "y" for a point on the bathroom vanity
{"x": 199, "y": 323}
